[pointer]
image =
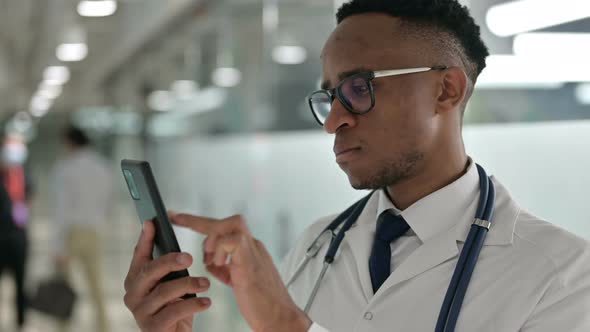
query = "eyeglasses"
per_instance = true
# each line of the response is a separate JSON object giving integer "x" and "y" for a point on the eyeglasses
{"x": 355, "y": 92}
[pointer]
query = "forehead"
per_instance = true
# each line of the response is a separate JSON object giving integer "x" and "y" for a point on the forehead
{"x": 375, "y": 41}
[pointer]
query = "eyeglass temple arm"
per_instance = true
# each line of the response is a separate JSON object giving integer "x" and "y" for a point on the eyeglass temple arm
{"x": 382, "y": 73}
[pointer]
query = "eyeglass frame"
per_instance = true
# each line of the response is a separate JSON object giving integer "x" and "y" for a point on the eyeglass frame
{"x": 368, "y": 77}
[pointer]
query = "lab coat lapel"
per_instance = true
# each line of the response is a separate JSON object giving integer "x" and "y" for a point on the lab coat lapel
{"x": 359, "y": 240}
{"x": 434, "y": 252}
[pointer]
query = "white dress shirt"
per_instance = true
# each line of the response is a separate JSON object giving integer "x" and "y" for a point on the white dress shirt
{"x": 531, "y": 276}
{"x": 83, "y": 193}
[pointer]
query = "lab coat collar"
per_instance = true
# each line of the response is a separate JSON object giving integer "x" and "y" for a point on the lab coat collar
{"x": 453, "y": 207}
{"x": 439, "y": 220}
{"x": 503, "y": 221}
{"x": 441, "y": 247}
{"x": 440, "y": 210}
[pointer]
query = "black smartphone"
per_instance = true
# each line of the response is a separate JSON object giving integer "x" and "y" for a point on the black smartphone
{"x": 149, "y": 205}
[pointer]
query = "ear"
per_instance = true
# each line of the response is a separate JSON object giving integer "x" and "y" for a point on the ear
{"x": 453, "y": 90}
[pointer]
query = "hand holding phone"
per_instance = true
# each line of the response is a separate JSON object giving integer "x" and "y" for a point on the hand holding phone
{"x": 150, "y": 206}
{"x": 158, "y": 290}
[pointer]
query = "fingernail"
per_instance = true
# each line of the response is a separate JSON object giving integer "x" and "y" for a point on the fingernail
{"x": 204, "y": 301}
{"x": 183, "y": 259}
{"x": 203, "y": 282}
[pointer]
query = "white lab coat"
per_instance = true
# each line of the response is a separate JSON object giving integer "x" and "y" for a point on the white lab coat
{"x": 531, "y": 276}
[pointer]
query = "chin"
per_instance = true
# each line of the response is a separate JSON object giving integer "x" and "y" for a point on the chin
{"x": 372, "y": 179}
{"x": 360, "y": 180}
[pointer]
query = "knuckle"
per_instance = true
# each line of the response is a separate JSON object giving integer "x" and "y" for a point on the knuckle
{"x": 168, "y": 259}
{"x": 188, "y": 283}
{"x": 126, "y": 284}
{"x": 127, "y": 299}
{"x": 130, "y": 280}
{"x": 149, "y": 325}
{"x": 157, "y": 291}
{"x": 239, "y": 219}
{"x": 235, "y": 220}
{"x": 144, "y": 270}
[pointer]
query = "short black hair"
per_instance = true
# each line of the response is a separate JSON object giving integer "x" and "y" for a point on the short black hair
{"x": 442, "y": 15}
{"x": 76, "y": 136}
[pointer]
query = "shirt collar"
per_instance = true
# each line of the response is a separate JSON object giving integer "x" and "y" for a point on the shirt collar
{"x": 440, "y": 210}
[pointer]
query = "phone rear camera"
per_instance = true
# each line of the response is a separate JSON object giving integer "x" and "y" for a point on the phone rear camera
{"x": 131, "y": 184}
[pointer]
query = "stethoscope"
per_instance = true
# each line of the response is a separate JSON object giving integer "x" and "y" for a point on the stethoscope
{"x": 451, "y": 306}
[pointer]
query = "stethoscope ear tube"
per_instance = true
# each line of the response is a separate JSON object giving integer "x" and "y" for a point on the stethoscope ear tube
{"x": 484, "y": 192}
{"x": 349, "y": 217}
{"x": 311, "y": 252}
{"x": 466, "y": 277}
{"x": 335, "y": 244}
{"x": 316, "y": 287}
{"x": 449, "y": 314}
{"x": 454, "y": 284}
{"x": 325, "y": 235}
{"x": 358, "y": 208}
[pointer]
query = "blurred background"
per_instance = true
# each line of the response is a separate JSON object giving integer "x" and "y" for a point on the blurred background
{"x": 212, "y": 93}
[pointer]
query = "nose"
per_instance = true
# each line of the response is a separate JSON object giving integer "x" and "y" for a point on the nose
{"x": 339, "y": 117}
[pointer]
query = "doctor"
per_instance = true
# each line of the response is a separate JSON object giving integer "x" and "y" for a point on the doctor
{"x": 397, "y": 77}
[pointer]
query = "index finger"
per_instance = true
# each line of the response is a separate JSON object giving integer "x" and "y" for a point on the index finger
{"x": 144, "y": 248}
{"x": 209, "y": 226}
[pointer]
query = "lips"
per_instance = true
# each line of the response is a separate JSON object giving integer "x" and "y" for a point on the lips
{"x": 341, "y": 150}
{"x": 346, "y": 153}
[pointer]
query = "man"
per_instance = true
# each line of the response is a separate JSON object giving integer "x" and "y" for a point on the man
{"x": 83, "y": 191}
{"x": 401, "y": 136}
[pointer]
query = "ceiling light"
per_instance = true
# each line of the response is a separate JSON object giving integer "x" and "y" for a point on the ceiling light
{"x": 289, "y": 55}
{"x": 160, "y": 101}
{"x": 515, "y": 17}
{"x": 71, "y": 52}
{"x": 40, "y": 105}
{"x": 56, "y": 75}
{"x": 510, "y": 71}
{"x": 553, "y": 46}
{"x": 184, "y": 89}
{"x": 226, "y": 77}
{"x": 22, "y": 122}
{"x": 97, "y": 8}
{"x": 583, "y": 93}
{"x": 49, "y": 91}
{"x": 205, "y": 100}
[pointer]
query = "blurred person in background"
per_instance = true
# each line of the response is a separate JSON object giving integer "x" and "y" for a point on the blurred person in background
{"x": 15, "y": 195}
{"x": 82, "y": 192}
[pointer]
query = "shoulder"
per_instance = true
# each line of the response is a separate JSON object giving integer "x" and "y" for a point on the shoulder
{"x": 566, "y": 253}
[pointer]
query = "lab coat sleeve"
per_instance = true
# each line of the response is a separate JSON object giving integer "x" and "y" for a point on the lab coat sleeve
{"x": 565, "y": 306}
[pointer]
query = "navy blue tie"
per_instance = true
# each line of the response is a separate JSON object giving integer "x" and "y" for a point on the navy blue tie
{"x": 389, "y": 228}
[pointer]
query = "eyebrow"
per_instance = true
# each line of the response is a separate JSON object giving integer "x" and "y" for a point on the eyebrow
{"x": 326, "y": 84}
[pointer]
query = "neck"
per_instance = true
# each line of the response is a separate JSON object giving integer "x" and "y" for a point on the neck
{"x": 434, "y": 175}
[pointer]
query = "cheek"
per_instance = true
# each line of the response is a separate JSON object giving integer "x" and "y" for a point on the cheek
{"x": 403, "y": 121}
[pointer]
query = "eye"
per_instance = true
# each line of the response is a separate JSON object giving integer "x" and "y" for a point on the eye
{"x": 358, "y": 87}
{"x": 360, "y": 90}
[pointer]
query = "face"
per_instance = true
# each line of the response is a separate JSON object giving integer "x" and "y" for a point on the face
{"x": 392, "y": 141}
